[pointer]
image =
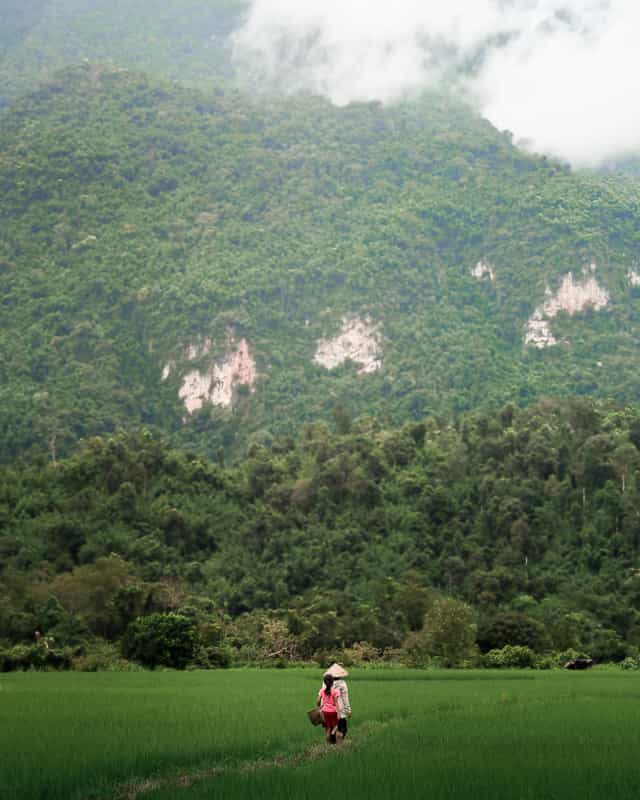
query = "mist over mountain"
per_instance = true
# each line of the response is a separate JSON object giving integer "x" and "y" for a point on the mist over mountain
{"x": 560, "y": 74}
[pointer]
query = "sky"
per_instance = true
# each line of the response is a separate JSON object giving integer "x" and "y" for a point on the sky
{"x": 562, "y": 76}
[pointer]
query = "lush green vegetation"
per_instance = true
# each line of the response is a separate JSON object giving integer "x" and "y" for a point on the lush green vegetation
{"x": 526, "y": 520}
{"x": 73, "y": 736}
{"x": 434, "y": 512}
{"x": 139, "y": 219}
{"x": 413, "y": 734}
{"x": 185, "y": 40}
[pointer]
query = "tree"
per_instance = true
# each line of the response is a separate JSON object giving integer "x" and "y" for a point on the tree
{"x": 92, "y": 590}
{"x": 607, "y": 645}
{"x": 413, "y": 600}
{"x": 168, "y": 640}
{"x": 448, "y": 635}
{"x": 625, "y": 462}
{"x": 514, "y": 629}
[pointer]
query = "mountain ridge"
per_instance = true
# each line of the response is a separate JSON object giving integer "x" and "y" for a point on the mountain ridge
{"x": 142, "y": 220}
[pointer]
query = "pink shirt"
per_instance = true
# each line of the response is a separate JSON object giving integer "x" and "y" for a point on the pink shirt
{"x": 330, "y": 702}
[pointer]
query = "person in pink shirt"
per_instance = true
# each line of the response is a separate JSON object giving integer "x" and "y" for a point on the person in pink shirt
{"x": 328, "y": 702}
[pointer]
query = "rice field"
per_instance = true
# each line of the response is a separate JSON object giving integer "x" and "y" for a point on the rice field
{"x": 244, "y": 734}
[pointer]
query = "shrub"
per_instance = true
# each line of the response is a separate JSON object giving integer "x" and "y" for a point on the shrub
{"x": 212, "y": 657}
{"x": 24, "y": 657}
{"x": 512, "y": 628}
{"x": 569, "y": 655}
{"x": 608, "y": 645}
{"x": 360, "y": 653}
{"x": 547, "y": 662}
{"x": 168, "y": 640}
{"x": 102, "y": 657}
{"x": 447, "y": 638}
{"x": 516, "y": 655}
{"x": 393, "y": 655}
{"x": 630, "y": 663}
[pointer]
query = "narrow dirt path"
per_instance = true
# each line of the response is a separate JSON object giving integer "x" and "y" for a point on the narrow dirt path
{"x": 138, "y": 787}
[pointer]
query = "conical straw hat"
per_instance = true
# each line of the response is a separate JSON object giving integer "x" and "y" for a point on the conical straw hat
{"x": 336, "y": 671}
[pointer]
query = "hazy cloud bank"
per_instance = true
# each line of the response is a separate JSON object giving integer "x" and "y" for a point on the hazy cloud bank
{"x": 561, "y": 75}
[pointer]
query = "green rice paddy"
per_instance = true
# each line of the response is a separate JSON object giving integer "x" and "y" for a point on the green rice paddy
{"x": 244, "y": 734}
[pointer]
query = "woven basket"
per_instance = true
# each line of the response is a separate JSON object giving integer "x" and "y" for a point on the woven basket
{"x": 316, "y": 717}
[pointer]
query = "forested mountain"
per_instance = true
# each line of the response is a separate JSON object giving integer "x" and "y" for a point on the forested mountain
{"x": 285, "y": 366}
{"x": 530, "y": 516}
{"x": 227, "y": 270}
{"x": 185, "y": 40}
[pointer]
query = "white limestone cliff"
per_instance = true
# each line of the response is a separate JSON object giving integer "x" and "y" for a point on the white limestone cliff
{"x": 358, "y": 341}
{"x": 483, "y": 270}
{"x": 633, "y": 276}
{"x": 216, "y": 382}
{"x": 572, "y": 297}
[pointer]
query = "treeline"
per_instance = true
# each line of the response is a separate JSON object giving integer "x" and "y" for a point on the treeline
{"x": 527, "y": 521}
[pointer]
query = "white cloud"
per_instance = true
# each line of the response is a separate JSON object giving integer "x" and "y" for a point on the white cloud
{"x": 560, "y": 74}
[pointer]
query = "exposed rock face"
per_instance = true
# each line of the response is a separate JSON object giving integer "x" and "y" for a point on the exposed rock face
{"x": 539, "y": 332}
{"x": 571, "y": 297}
{"x": 87, "y": 242}
{"x": 483, "y": 270}
{"x": 634, "y": 277}
{"x": 215, "y": 384}
{"x": 196, "y": 389}
{"x": 358, "y": 341}
{"x": 199, "y": 350}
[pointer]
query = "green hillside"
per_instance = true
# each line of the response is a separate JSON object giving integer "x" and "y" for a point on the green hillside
{"x": 529, "y": 516}
{"x": 151, "y": 232}
{"x": 185, "y": 40}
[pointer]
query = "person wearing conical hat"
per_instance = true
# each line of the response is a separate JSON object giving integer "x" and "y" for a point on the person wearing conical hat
{"x": 339, "y": 673}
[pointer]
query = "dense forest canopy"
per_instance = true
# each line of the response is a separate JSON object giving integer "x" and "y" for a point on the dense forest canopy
{"x": 149, "y": 232}
{"x": 281, "y": 368}
{"x": 529, "y": 516}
